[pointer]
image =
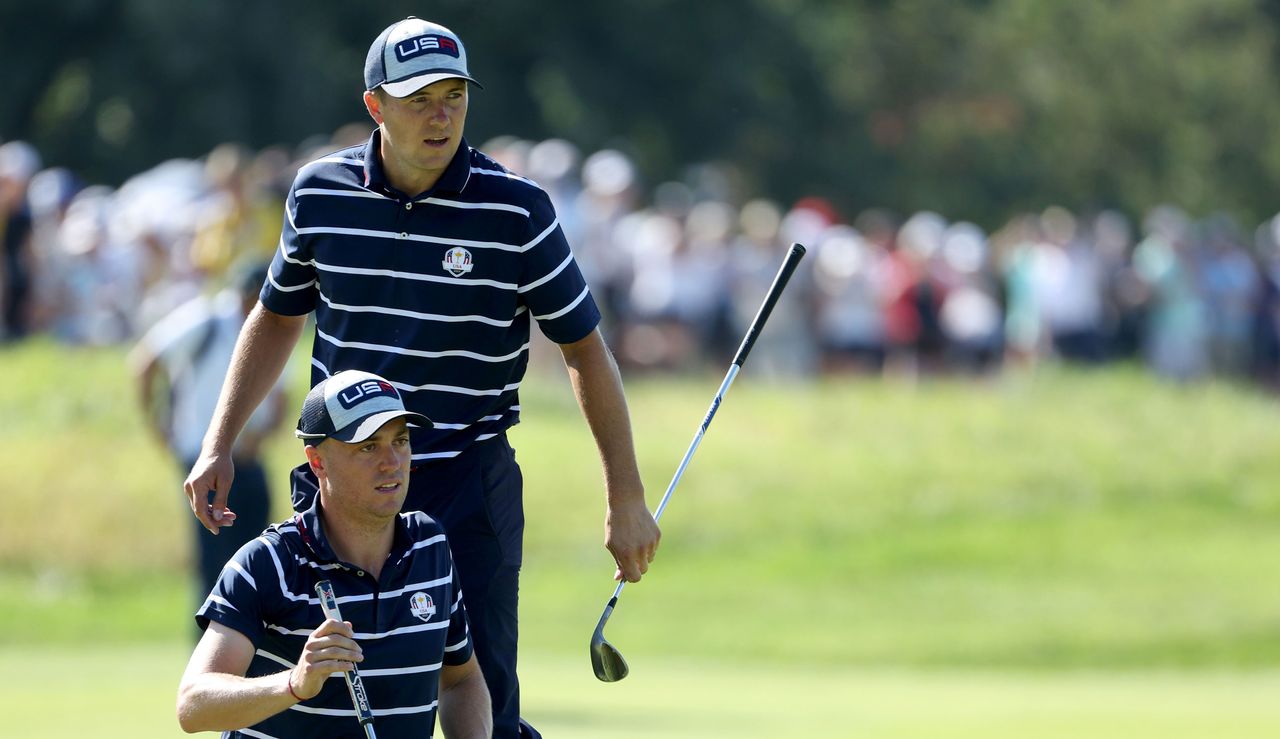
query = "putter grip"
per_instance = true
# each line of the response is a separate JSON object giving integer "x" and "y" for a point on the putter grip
{"x": 329, "y": 604}
{"x": 775, "y": 291}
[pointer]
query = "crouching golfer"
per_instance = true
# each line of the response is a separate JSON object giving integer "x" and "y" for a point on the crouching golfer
{"x": 269, "y": 664}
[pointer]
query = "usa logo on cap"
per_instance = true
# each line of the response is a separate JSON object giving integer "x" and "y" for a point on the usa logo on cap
{"x": 432, "y": 43}
{"x": 348, "y": 397}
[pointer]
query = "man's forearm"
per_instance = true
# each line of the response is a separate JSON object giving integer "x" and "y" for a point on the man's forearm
{"x": 465, "y": 710}
{"x": 631, "y": 534}
{"x": 597, "y": 386}
{"x": 222, "y": 702}
{"x": 263, "y": 349}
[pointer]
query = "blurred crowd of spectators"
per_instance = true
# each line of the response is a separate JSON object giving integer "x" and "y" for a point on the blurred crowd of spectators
{"x": 679, "y": 269}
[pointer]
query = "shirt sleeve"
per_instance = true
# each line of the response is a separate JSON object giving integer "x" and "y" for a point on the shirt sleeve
{"x": 235, "y": 601}
{"x": 291, "y": 288}
{"x": 457, "y": 645}
{"x": 552, "y": 286}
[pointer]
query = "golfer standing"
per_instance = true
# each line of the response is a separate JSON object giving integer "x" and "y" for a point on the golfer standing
{"x": 425, "y": 262}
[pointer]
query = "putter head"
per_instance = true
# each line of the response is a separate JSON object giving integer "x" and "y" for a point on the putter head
{"x": 606, "y": 661}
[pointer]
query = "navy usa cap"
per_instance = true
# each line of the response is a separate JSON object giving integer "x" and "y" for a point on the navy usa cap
{"x": 413, "y": 53}
{"x": 351, "y": 406}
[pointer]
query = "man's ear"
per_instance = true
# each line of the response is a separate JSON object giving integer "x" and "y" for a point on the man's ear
{"x": 315, "y": 460}
{"x": 373, "y": 105}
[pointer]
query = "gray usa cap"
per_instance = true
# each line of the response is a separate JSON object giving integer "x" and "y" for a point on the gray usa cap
{"x": 413, "y": 53}
{"x": 351, "y": 406}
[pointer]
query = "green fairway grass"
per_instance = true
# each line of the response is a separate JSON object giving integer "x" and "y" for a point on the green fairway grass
{"x": 1047, "y": 554}
{"x": 129, "y": 693}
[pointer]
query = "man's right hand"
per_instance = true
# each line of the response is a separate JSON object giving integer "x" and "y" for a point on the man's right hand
{"x": 330, "y": 648}
{"x": 211, "y": 472}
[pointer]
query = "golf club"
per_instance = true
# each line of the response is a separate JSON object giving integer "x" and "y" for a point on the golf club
{"x": 606, "y": 660}
{"x": 354, "y": 685}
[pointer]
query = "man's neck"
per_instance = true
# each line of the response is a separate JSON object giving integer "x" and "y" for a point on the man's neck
{"x": 408, "y": 184}
{"x": 365, "y": 544}
{"x": 412, "y": 182}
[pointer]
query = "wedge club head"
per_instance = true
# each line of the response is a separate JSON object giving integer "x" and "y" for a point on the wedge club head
{"x": 606, "y": 660}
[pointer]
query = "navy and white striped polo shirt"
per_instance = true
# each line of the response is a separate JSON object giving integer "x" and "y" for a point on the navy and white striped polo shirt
{"x": 408, "y": 623}
{"x": 433, "y": 292}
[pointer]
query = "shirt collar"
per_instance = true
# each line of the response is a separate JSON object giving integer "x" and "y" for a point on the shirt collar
{"x": 455, "y": 176}
{"x": 312, "y": 532}
{"x": 311, "y": 529}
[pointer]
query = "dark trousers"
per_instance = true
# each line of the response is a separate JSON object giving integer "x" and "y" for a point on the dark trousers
{"x": 252, "y": 504}
{"x": 478, "y": 498}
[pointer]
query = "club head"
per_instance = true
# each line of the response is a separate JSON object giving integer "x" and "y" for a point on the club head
{"x": 606, "y": 660}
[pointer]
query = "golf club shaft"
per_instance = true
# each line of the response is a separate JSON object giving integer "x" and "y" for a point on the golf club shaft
{"x": 766, "y": 308}
{"x": 355, "y": 686}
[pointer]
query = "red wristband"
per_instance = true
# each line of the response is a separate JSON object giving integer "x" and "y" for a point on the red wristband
{"x": 289, "y": 683}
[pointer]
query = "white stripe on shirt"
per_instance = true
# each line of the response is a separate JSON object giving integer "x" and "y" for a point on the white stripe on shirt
{"x": 342, "y": 193}
{"x": 420, "y": 352}
{"x": 220, "y": 601}
{"x": 291, "y": 289}
{"x": 456, "y": 389}
{"x": 433, "y": 626}
{"x": 414, "y": 276}
{"x": 440, "y": 317}
{"x": 285, "y": 255}
{"x": 460, "y": 426}
{"x": 276, "y": 658}
{"x": 330, "y": 160}
{"x": 243, "y": 573}
{"x": 581, "y": 296}
{"x": 538, "y": 239}
{"x": 284, "y": 587}
{"x": 406, "y": 388}
{"x": 351, "y": 711}
{"x": 508, "y": 175}
{"x": 405, "y": 236}
{"x": 547, "y": 277}
{"x": 475, "y": 206}
{"x": 388, "y": 671}
{"x": 435, "y": 455}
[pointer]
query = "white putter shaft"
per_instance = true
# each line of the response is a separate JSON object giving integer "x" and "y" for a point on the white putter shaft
{"x": 355, "y": 686}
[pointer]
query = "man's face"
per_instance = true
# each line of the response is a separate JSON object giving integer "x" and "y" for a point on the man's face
{"x": 420, "y": 132}
{"x": 366, "y": 481}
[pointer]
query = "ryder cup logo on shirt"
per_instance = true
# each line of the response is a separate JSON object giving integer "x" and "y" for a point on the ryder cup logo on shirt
{"x": 457, "y": 261}
{"x": 421, "y": 605}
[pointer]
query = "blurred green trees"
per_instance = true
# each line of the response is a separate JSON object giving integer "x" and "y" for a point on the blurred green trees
{"x": 976, "y": 108}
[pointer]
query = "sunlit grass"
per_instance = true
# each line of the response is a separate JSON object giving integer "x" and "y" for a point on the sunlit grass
{"x": 116, "y": 692}
{"x": 1056, "y": 519}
